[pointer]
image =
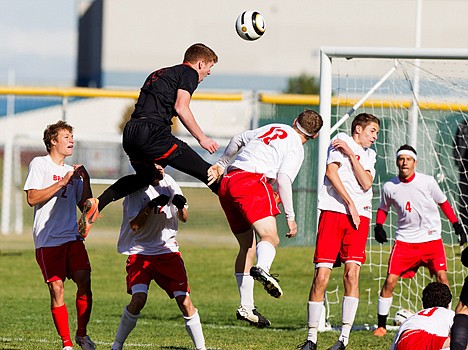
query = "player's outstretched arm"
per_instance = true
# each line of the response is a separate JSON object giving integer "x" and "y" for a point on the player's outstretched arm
{"x": 182, "y": 107}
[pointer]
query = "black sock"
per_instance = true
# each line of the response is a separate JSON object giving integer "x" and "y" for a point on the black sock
{"x": 382, "y": 321}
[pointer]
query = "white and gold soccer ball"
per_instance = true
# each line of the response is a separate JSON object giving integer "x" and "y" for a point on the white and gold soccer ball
{"x": 401, "y": 316}
{"x": 250, "y": 25}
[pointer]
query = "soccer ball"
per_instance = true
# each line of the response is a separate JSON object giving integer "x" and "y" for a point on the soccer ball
{"x": 250, "y": 25}
{"x": 401, "y": 316}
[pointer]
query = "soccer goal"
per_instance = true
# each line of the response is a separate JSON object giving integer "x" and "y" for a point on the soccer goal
{"x": 421, "y": 98}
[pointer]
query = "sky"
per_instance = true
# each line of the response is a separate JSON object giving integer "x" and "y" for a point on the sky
{"x": 38, "y": 41}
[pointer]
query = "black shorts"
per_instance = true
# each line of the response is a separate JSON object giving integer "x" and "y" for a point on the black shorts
{"x": 148, "y": 141}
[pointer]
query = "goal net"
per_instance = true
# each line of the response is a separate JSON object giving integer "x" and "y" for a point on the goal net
{"x": 421, "y": 98}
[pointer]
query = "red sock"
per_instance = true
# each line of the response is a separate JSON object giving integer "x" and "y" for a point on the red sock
{"x": 60, "y": 316}
{"x": 84, "y": 304}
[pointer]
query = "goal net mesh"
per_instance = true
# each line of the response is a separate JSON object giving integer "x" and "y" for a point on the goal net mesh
{"x": 442, "y": 102}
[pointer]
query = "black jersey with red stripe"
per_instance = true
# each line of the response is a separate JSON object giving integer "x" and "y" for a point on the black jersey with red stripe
{"x": 159, "y": 92}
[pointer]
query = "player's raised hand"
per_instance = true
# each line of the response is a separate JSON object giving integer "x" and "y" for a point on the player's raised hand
{"x": 292, "y": 225}
{"x": 215, "y": 172}
{"x": 379, "y": 234}
{"x": 460, "y": 232}
{"x": 209, "y": 144}
{"x": 179, "y": 201}
{"x": 159, "y": 201}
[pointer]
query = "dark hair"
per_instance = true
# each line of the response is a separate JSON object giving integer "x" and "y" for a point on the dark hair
{"x": 407, "y": 148}
{"x": 363, "y": 120}
{"x": 436, "y": 294}
{"x": 310, "y": 121}
{"x": 52, "y": 131}
{"x": 200, "y": 51}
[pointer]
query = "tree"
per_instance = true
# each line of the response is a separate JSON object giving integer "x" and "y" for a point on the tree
{"x": 303, "y": 84}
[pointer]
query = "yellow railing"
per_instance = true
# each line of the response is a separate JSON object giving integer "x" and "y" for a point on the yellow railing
{"x": 91, "y": 92}
{"x": 280, "y": 99}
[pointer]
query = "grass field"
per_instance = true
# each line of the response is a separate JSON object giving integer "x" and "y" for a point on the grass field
{"x": 209, "y": 251}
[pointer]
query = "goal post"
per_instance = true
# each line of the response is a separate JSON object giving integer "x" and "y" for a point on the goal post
{"x": 326, "y": 56}
{"x": 421, "y": 97}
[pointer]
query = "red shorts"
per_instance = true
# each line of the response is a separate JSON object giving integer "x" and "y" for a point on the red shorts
{"x": 406, "y": 258}
{"x": 167, "y": 270}
{"x": 58, "y": 263}
{"x": 418, "y": 339}
{"x": 246, "y": 198}
{"x": 337, "y": 238}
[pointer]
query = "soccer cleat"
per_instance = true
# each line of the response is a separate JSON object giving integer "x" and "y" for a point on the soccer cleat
{"x": 253, "y": 317}
{"x": 270, "y": 283}
{"x": 308, "y": 345}
{"x": 88, "y": 217}
{"x": 380, "y": 332}
{"x": 117, "y": 346}
{"x": 339, "y": 345}
{"x": 85, "y": 342}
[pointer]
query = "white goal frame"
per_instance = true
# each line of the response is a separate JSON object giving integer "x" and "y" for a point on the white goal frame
{"x": 326, "y": 57}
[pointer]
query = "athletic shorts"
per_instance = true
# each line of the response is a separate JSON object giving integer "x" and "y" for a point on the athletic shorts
{"x": 338, "y": 240}
{"x": 418, "y": 339}
{"x": 149, "y": 141}
{"x": 406, "y": 258}
{"x": 59, "y": 263}
{"x": 464, "y": 293}
{"x": 246, "y": 198}
{"x": 167, "y": 270}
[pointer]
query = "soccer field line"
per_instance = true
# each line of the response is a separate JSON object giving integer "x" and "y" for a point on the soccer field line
{"x": 45, "y": 341}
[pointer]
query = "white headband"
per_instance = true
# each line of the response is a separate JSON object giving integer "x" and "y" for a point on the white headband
{"x": 301, "y": 129}
{"x": 407, "y": 152}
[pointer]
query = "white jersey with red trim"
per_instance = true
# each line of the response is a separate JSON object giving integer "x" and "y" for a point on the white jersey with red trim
{"x": 328, "y": 198}
{"x": 55, "y": 220}
{"x": 435, "y": 320}
{"x": 416, "y": 203}
{"x": 158, "y": 235}
{"x": 270, "y": 150}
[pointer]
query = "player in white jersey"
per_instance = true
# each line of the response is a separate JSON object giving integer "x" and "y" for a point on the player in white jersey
{"x": 148, "y": 237}
{"x": 459, "y": 332}
{"x": 345, "y": 204}
{"x": 55, "y": 189}
{"x": 416, "y": 198}
{"x": 267, "y": 155}
{"x": 429, "y": 328}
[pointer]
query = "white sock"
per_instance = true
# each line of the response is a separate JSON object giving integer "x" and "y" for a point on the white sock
{"x": 194, "y": 329}
{"x": 314, "y": 311}
{"x": 265, "y": 255}
{"x": 128, "y": 321}
{"x": 384, "y": 305}
{"x": 350, "y": 305}
{"x": 245, "y": 285}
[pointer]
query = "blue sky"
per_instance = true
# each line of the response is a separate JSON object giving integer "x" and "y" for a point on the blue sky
{"x": 38, "y": 41}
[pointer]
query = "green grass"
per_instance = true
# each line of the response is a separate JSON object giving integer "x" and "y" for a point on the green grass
{"x": 209, "y": 250}
{"x": 26, "y": 323}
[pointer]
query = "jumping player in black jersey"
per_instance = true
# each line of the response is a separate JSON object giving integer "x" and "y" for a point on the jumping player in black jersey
{"x": 147, "y": 136}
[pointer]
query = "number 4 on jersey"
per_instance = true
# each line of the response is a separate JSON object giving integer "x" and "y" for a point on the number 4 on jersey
{"x": 408, "y": 206}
